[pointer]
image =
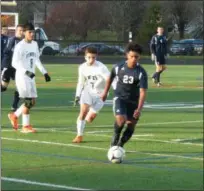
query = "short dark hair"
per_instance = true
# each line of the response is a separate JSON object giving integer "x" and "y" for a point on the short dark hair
{"x": 91, "y": 50}
{"x": 29, "y": 27}
{"x": 20, "y": 25}
{"x": 132, "y": 46}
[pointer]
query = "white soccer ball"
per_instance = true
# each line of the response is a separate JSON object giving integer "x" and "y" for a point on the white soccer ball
{"x": 116, "y": 154}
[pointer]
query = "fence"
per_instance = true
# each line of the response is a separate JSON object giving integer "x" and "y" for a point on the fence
{"x": 66, "y": 48}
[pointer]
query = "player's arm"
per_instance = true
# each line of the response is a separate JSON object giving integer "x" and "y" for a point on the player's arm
{"x": 165, "y": 47}
{"x": 143, "y": 92}
{"x": 17, "y": 60}
{"x": 152, "y": 48}
{"x": 104, "y": 74}
{"x": 41, "y": 67}
{"x": 80, "y": 85}
{"x": 108, "y": 83}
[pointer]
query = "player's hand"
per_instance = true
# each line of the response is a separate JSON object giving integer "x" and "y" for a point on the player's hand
{"x": 76, "y": 101}
{"x": 152, "y": 57}
{"x": 103, "y": 97}
{"x": 30, "y": 74}
{"x": 47, "y": 77}
{"x": 137, "y": 114}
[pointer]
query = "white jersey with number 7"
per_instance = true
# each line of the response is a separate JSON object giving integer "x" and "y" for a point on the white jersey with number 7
{"x": 92, "y": 78}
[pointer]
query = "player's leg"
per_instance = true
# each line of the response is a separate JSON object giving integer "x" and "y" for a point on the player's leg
{"x": 85, "y": 102}
{"x": 13, "y": 116}
{"x": 27, "y": 90}
{"x": 84, "y": 109}
{"x": 16, "y": 97}
{"x": 162, "y": 67}
{"x": 5, "y": 79}
{"x": 28, "y": 104}
{"x": 94, "y": 109}
{"x": 16, "y": 100}
{"x": 119, "y": 110}
{"x": 131, "y": 123}
{"x": 155, "y": 75}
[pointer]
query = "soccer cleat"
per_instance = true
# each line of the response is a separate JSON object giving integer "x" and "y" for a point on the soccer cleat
{"x": 159, "y": 84}
{"x": 154, "y": 80}
{"x": 78, "y": 139}
{"x": 14, "y": 120}
{"x": 28, "y": 129}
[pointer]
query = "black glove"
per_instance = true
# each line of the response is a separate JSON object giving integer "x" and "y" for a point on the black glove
{"x": 30, "y": 74}
{"x": 76, "y": 101}
{"x": 47, "y": 77}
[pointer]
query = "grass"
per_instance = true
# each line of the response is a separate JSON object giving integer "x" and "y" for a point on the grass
{"x": 166, "y": 151}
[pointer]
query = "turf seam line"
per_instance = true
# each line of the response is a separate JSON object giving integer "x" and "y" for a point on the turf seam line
{"x": 40, "y": 183}
{"x": 94, "y": 148}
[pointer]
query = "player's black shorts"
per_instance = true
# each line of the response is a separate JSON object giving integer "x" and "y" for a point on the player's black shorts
{"x": 160, "y": 60}
{"x": 123, "y": 107}
{"x": 8, "y": 74}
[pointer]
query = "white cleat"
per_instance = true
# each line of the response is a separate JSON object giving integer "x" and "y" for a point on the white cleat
{"x": 159, "y": 84}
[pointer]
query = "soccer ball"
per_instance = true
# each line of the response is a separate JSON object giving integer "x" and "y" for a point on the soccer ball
{"x": 116, "y": 154}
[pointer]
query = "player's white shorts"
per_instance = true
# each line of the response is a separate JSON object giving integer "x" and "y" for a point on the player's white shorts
{"x": 95, "y": 102}
{"x": 26, "y": 87}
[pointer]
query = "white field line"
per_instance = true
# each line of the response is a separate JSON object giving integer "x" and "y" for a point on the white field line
{"x": 93, "y": 148}
{"x": 156, "y": 140}
{"x": 41, "y": 183}
{"x": 60, "y": 129}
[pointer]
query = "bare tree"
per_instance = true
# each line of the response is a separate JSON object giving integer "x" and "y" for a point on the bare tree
{"x": 76, "y": 18}
{"x": 196, "y": 24}
{"x": 125, "y": 16}
{"x": 180, "y": 12}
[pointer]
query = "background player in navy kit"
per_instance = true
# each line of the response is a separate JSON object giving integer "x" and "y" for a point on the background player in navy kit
{"x": 158, "y": 48}
{"x": 129, "y": 93}
{"x": 4, "y": 39}
{"x": 8, "y": 72}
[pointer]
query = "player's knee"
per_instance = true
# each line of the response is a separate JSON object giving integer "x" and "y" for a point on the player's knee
{"x": 90, "y": 117}
{"x": 29, "y": 102}
{"x": 120, "y": 121}
{"x": 82, "y": 115}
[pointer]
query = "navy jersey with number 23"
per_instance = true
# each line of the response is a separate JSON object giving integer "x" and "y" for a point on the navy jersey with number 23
{"x": 129, "y": 81}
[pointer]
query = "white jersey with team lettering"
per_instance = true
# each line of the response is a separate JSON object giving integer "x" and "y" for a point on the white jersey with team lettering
{"x": 92, "y": 78}
{"x": 91, "y": 84}
{"x": 26, "y": 58}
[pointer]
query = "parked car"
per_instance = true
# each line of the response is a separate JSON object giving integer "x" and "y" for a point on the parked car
{"x": 187, "y": 47}
{"x": 46, "y": 46}
{"x": 102, "y": 49}
{"x": 181, "y": 49}
{"x": 197, "y": 44}
{"x": 72, "y": 49}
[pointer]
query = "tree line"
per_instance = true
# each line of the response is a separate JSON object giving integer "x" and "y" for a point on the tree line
{"x": 75, "y": 19}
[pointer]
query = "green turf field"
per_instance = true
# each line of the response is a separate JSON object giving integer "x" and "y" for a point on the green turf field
{"x": 165, "y": 153}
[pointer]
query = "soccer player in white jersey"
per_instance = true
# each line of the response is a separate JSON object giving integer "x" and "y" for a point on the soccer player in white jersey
{"x": 25, "y": 59}
{"x": 91, "y": 83}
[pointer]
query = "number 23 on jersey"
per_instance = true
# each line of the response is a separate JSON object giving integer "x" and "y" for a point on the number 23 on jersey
{"x": 128, "y": 79}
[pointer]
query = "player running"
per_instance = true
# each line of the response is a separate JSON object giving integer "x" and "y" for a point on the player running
{"x": 91, "y": 82}
{"x": 8, "y": 72}
{"x": 25, "y": 59}
{"x": 129, "y": 93}
{"x": 158, "y": 48}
